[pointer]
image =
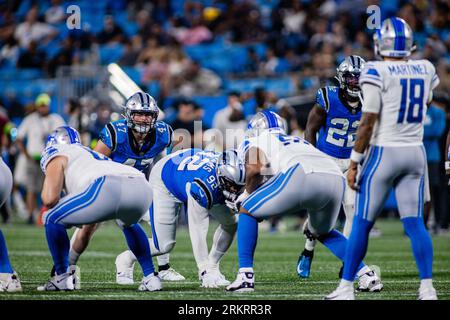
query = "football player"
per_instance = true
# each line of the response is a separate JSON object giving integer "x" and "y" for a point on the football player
{"x": 198, "y": 179}
{"x": 136, "y": 141}
{"x": 9, "y": 280}
{"x": 106, "y": 190}
{"x": 285, "y": 174}
{"x": 389, "y": 146}
{"x": 331, "y": 128}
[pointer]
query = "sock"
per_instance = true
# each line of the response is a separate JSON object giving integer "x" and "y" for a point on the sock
{"x": 59, "y": 245}
{"x": 345, "y": 283}
{"x": 356, "y": 247}
{"x": 5, "y": 264}
{"x": 421, "y": 244}
{"x": 163, "y": 259}
{"x": 163, "y": 267}
{"x": 310, "y": 244}
{"x": 426, "y": 283}
{"x": 73, "y": 257}
{"x": 138, "y": 243}
{"x": 247, "y": 236}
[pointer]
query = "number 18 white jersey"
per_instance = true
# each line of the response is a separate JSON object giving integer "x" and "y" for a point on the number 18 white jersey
{"x": 406, "y": 88}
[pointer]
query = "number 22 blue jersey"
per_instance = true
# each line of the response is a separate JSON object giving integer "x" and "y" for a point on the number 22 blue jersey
{"x": 197, "y": 167}
{"x": 337, "y": 137}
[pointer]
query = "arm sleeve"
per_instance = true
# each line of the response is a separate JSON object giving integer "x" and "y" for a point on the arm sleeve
{"x": 109, "y": 136}
{"x": 201, "y": 194}
{"x": 198, "y": 223}
{"x": 47, "y": 155}
{"x": 322, "y": 99}
{"x": 371, "y": 75}
{"x": 372, "y": 98}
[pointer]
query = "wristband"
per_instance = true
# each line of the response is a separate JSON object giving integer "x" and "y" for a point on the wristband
{"x": 356, "y": 156}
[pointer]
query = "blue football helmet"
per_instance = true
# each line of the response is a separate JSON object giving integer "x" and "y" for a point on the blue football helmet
{"x": 63, "y": 135}
{"x": 264, "y": 120}
{"x": 393, "y": 39}
{"x": 141, "y": 102}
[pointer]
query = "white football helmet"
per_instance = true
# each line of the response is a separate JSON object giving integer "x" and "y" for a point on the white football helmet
{"x": 393, "y": 39}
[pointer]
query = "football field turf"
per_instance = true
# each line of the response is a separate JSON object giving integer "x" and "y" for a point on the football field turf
{"x": 275, "y": 266}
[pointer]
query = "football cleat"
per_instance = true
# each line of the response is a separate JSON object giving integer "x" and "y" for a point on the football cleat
{"x": 213, "y": 278}
{"x": 10, "y": 282}
{"x": 170, "y": 275}
{"x": 342, "y": 293}
{"x": 124, "y": 268}
{"x": 76, "y": 274}
{"x": 63, "y": 282}
{"x": 245, "y": 282}
{"x": 369, "y": 282}
{"x": 427, "y": 294}
{"x": 152, "y": 282}
{"x": 304, "y": 263}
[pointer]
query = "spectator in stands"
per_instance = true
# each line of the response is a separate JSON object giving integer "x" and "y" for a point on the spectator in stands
{"x": 433, "y": 131}
{"x": 130, "y": 54}
{"x": 15, "y": 109}
{"x": 262, "y": 100}
{"x": 63, "y": 58}
{"x": 111, "y": 32}
{"x": 56, "y": 13}
{"x": 193, "y": 35}
{"x": 34, "y": 31}
{"x": 33, "y": 57}
{"x": 187, "y": 113}
{"x": 9, "y": 52}
{"x": 35, "y": 129}
{"x": 196, "y": 81}
{"x": 231, "y": 118}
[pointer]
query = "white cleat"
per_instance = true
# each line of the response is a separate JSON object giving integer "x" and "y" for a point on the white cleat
{"x": 427, "y": 294}
{"x": 62, "y": 282}
{"x": 170, "y": 275}
{"x": 342, "y": 293}
{"x": 10, "y": 282}
{"x": 74, "y": 270}
{"x": 150, "y": 283}
{"x": 245, "y": 282}
{"x": 213, "y": 278}
{"x": 124, "y": 268}
{"x": 370, "y": 282}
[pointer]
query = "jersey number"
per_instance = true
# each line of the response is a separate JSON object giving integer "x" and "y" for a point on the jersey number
{"x": 413, "y": 102}
{"x": 192, "y": 163}
{"x": 344, "y": 138}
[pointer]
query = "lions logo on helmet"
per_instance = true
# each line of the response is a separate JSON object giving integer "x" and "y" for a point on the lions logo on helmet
{"x": 393, "y": 39}
{"x": 264, "y": 120}
{"x": 141, "y": 103}
{"x": 348, "y": 73}
{"x": 63, "y": 135}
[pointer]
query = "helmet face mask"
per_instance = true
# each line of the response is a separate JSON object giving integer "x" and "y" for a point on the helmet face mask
{"x": 141, "y": 112}
{"x": 230, "y": 173}
{"x": 348, "y": 74}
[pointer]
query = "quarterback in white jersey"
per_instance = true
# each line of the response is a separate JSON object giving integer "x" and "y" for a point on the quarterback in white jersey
{"x": 96, "y": 189}
{"x": 389, "y": 147}
{"x": 284, "y": 174}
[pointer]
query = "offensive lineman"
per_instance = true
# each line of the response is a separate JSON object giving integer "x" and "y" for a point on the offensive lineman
{"x": 196, "y": 178}
{"x": 335, "y": 118}
{"x": 136, "y": 141}
{"x": 106, "y": 190}
{"x": 389, "y": 140}
{"x": 9, "y": 280}
{"x": 300, "y": 177}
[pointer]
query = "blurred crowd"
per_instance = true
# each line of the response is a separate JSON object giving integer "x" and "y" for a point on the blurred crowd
{"x": 302, "y": 39}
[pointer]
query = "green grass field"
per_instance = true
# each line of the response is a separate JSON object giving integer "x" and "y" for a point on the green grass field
{"x": 275, "y": 263}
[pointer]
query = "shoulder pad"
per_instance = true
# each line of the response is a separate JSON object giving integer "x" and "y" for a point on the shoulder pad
{"x": 322, "y": 98}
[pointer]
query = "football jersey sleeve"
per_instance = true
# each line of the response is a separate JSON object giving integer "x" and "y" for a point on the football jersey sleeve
{"x": 434, "y": 77}
{"x": 372, "y": 75}
{"x": 48, "y": 154}
{"x": 200, "y": 192}
{"x": 109, "y": 136}
{"x": 372, "y": 98}
{"x": 322, "y": 99}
